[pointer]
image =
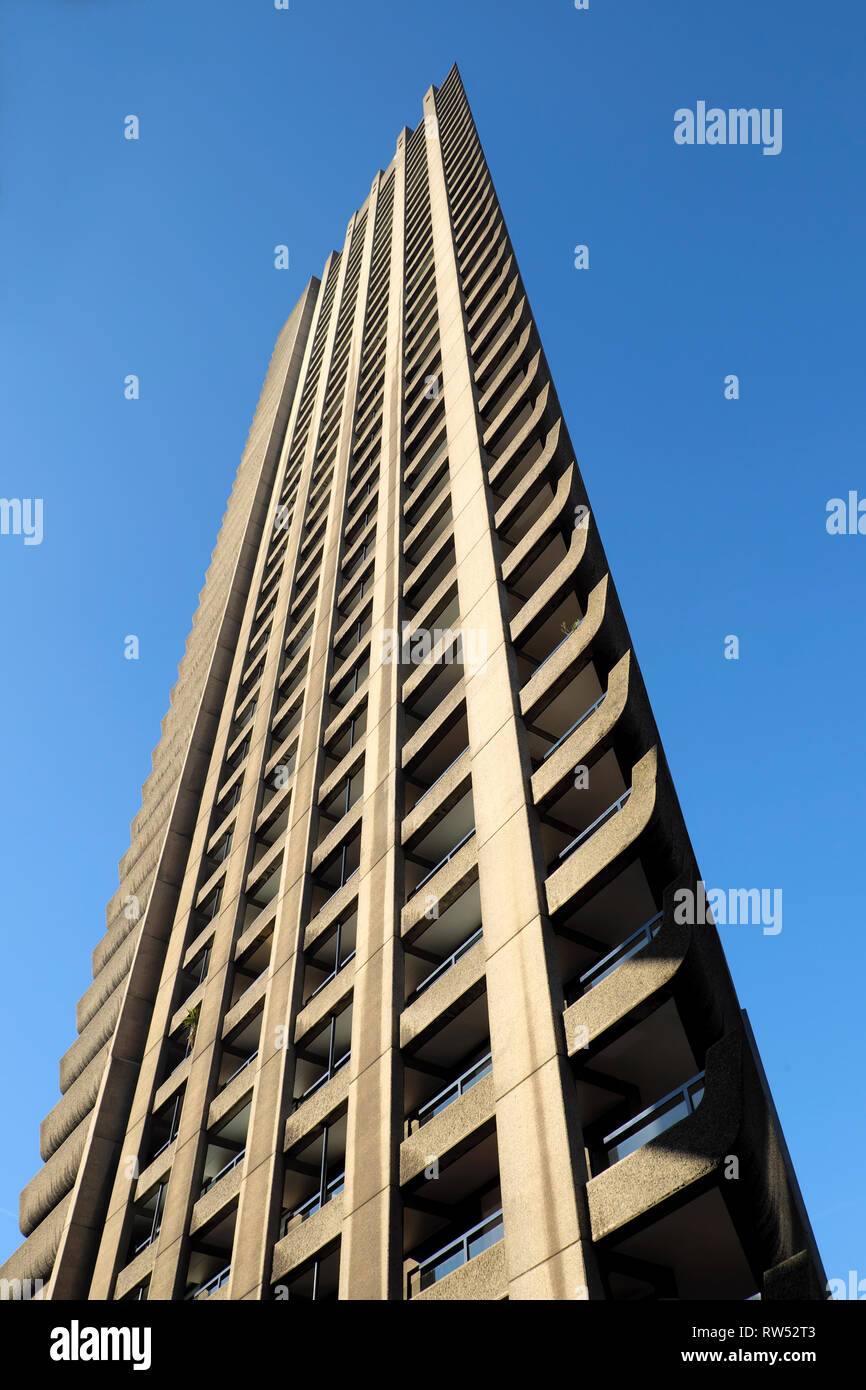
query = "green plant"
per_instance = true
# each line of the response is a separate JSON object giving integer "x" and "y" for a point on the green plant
{"x": 190, "y": 1022}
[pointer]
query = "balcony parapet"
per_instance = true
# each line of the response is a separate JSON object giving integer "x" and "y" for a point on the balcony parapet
{"x": 303, "y": 1241}
{"x": 451, "y": 993}
{"x": 590, "y": 736}
{"x": 451, "y": 1133}
{"x": 691, "y": 1151}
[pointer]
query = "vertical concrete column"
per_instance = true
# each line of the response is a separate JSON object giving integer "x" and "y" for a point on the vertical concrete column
{"x": 260, "y": 1197}
{"x": 169, "y": 1270}
{"x": 548, "y": 1250}
{"x": 370, "y": 1262}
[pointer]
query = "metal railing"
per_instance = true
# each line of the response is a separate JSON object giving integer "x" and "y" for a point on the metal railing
{"x": 458, "y": 1252}
{"x": 227, "y": 1168}
{"x": 446, "y": 964}
{"x": 313, "y": 1204}
{"x": 452, "y": 1092}
{"x": 243, "y": 1066}
{"x": 604, "y": 967}
{"x": 322, "y": 1080}
{"x": 596, "y": 824}
{"x": 346, "y": 880}
{"x": 442, "y": 862}
{"x": 333, "y": 975}
{"x": 576, "y": 725}
{"x": 441, "y": 775}
{"x": 143, "y": 1244}
{"x": 543, "y": 663}
{"x": 252, "y": 984}
{"x": 655, "y": 1119}
{"x": 162, "y": 1148}
{"x": 212, "y": 1284}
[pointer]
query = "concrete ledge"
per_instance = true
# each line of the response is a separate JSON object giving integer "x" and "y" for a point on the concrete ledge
{"x": 482, "y": 1280}
{"x": 692, "y": 1149}
{"x": 610, "y": 840}
{"x": 564, "y": 664}
{"x": 216, "y": 1197}
{"x": 636, "y": 979}
{"x": 450, "y": 993}
{"x": 53, "y": 1181}
{"x": 136, "y": 1270}
{"x": 232, "y": 1093}
{"x": 326, "y": 1001}
{"x": 340, "y": 904}
{"x": 341, "y": 831}
{"x": 528, "y": 550}
{"x": 88, "y": 1043}
{"x": 588, "y": 737}
{"x": 113, "y": 974}
{"x": 245, "y": 1004}
{"x": 303, "y": 1241}
{"x": 317, "y": 1108}
{"x": 443, "y": 715}
{"x": 445, "y": 885}
{"x": 549, "y": 594}
{"x": 71, "y": 1109}
{"x": 451, "y": 788}
{"x": 449, "y": 1129}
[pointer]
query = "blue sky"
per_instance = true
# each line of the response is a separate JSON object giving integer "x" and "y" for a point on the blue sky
{"x": 155, "y": 257}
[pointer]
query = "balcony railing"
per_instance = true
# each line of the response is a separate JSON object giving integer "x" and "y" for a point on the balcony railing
{"x": 604, "y": 967}
{"x": 313, "y": 1204}
{"x": 457, "y": 1088}
{"x": 179, "y": 1063}
{"x": 596, "y": 824}
{"x": 576, "y": 725}
{"x": 442, "y": 862}
{"x": 243, "y": 1066}
{"x": 550, "y": 655}
{"x": 441, "y": 775}
{"x": 333, "y": 894}
{"x": 252, "y": 984}
{"x": 654, "y": 1120}
{"x": 143, "y": 1244}
{"x": 458, "y": 1252}
{"x": 333, "y": 975}
{"x": 323, "y": 1079}
{"x": 205, "y": 1290}
{"x": 447, "y": 964}
{"x": 162, "y": 1148}
{"x": 226, "y": 1168}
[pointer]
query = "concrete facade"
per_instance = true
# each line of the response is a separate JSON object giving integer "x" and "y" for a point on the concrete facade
{"x": 393, "y": 1001}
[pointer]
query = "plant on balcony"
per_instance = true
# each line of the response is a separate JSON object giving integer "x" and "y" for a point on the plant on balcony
{"x": 190, "y": 1022}
{"x": 567, "y": 629}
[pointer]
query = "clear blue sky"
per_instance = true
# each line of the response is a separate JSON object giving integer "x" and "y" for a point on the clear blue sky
{"x": 261, "y": 127}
